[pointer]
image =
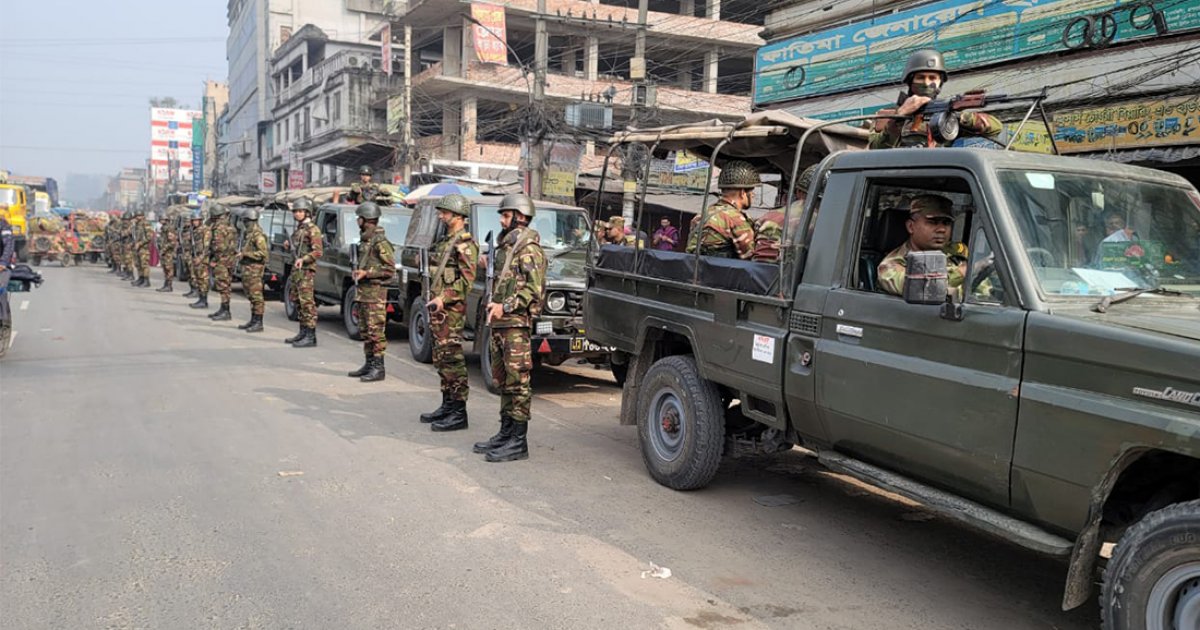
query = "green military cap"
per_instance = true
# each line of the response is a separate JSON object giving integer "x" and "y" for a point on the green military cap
{"x": 931, "y": 206}
{"x": 454, "y": 203}
{"x": 615, "y": 222}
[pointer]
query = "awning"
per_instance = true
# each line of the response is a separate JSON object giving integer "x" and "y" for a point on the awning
{"x": 1152, "y": 154}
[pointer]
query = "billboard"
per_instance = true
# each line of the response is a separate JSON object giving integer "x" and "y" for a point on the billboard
{"x": 171, "y": 140}
{"x": 489, "y": 33}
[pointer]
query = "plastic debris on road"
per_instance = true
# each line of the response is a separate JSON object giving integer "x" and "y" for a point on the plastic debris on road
{"x": 290, "y": 473}
{"x": 656, "y": 571}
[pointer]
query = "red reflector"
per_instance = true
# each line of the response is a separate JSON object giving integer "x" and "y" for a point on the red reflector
{"x": 544, "y": 348}
{"x": 391, "y": 308}
{"x": 273, "y": 278}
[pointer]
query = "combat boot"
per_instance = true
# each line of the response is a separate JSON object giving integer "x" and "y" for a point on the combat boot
{"x": 222, "y": 314}
{"x": 297, "y": 337}
{"x": 144, "y": 282}
{"x": 247, "y": 324}
{"x": 375, "y": 371}
{"x": 506, "y": 427}
{"x": 515, "y": 448}
{"x": 166, "y": 287}
{"x": 191, "y": 293}
{"x": 201, "y": 302}
{"x": 309, "y": 339}
{"x": 5, "y": 337}
{"x": 136, "y": 281}
{"x": 255, "y": 324}
{"x": 366, "y": 367}
{"x": 440, "y": 412}
{"x": 456, "y": 420}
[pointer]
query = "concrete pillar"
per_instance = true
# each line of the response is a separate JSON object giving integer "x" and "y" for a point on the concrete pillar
{"x": 687, "y": 7}
{"x": 452, "y": 52}
{"x": 714, "y": 9}
{"x": 468, "y": 146}
{"x": 568, "y": 61}
{"x": 591, "y": 59}
{"x": 451, "y": 130}
{"x": 711, "y": 59}
{"x": 683, "y": 74}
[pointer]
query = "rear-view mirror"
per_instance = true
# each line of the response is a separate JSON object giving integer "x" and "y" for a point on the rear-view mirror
{"x": 925, "y": 278}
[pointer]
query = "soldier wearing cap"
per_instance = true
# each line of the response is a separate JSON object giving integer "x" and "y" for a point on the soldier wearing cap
{"x": 924, "y": 76}
{"x": 614, "y": 233}
{"x": 222, "y": 258}
{"x": 727, "y": 232}
{"x": 457, "y": 258}
{"x": 168, "y": 250}
{"x": 198, "y": 244}
{"x": 254, "y": 259}
{"x": 141, "y": 248}
{"x": 364, "y": 189}
{"x": 768, "y": 230}
{"x": 930, "y": 228}
{"x": 308, "y": 245}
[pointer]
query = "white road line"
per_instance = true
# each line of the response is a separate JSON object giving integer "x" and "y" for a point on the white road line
{"x": 24, "y": 305}
{"x": 12, "y": 339}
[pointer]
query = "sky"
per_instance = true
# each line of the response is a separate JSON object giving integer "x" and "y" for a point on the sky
{"x": 77, "y": 78}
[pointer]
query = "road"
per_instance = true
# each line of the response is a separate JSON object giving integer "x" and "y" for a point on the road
{"x": 158, "y": 470}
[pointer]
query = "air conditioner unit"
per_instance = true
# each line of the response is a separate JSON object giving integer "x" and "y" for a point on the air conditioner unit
{"x": 353, "y": 61}
{"x": 376, "y": 63}
{"x": 589, "y": 116}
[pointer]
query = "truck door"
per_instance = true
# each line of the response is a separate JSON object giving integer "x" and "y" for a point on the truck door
{"x": 901, "y": 386}
{"x": 325, "y": 281}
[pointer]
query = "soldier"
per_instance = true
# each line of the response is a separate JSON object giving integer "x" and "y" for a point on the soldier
{"x": 924, "y": 76}
{"x": 222, "y": 258}
{"x": 728, "y": 232}
{"x": 254, "y": 258}
{"x": 168, "y": 249}
{"x": 614, "y": 233}
{"x": 125, "y": 246}
{"x": 516, "y": 301}
{"x": 141, "y": 248}
{"x": 8, "y": 259}
{"x": 111, "y": 236}
{"x": 930, "y": 226}
{"x": 185, "y": 251}
{"x": 768, "y": 230}
{"x": 376, "y": 264}
{"x": 458, "y": 256}
{"x": 201, "y": 244}
{"x": 306, "y": 241}
{"x": 130, "y": 245}
{"x": 363, "y": 190}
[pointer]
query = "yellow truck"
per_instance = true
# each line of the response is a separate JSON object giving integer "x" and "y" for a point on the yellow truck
{"x": 14, "y": 206}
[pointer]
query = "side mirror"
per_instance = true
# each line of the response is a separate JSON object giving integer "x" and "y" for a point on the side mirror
{"x": 925, "y": 278}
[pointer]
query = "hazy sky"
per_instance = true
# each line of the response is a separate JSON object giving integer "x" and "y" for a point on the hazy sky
{"x": 77, "y": 76}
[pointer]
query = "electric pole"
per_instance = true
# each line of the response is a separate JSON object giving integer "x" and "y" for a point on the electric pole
{"x": 637, "y": 75}
{"x": 541, "y": 53}
{"x": 409, "y": 149}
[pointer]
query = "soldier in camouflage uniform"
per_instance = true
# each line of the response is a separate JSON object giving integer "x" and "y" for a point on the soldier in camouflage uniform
{"x": 768, "y": 230}
{"x": 363, "y": 190}
{"x": 516, "y": 302}
{"x": 185, "y": 251}
{"x": 125, "y": 249}
{"x": 727, "y": 232}
{"x": 924, "y": 75}
{"x": 458, "y": 259}
{"x": 142, "y": 236}
{"x": 614, "y": 233}
{"x": 222, "y": 258}
{"x": 306, "y": 241}
{"x": 930, "y": 227}
{"x": 168, "y": 249}
{"x": 201, "y": 244}
{"x": 375, "y": 265}
{"x": 254, "y": 259}
{"x": 112, "y": 235}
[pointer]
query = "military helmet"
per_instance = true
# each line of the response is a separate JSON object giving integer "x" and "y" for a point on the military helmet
{"x": 364, "y": 170}
{"x": 303, "y": 203}
{"x": 250, "y": 214}
{"x": 368, "y": 211}
{"x": 455, "y": 203}
{"x": 804, "y": 182}
{"x": 218, "y": 210}
{"x": 924, "y": 60}
{"x": 196, "y": 215}
{"x": 520, "y": 202}
{"x": 738, "y": 174}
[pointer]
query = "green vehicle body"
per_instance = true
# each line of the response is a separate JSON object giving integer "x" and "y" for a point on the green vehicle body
{"x": 1035, "y": 419}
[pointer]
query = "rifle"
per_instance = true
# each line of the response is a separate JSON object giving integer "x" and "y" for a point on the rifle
{"x": 943, "y": 116}
{"x": 424, "y": 262}
{"x": 354, "y": 261}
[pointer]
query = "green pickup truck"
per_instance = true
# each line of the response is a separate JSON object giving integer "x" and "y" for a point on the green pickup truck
{"x": 1051, "y": 396}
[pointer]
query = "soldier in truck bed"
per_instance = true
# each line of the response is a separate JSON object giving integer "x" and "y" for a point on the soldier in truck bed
{"x": 727, "y": 232}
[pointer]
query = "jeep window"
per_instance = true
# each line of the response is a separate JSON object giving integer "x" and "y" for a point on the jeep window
{"x": 982, "y": 275}
{"x": 559, "y": 228}
{"x": 1093, "y": 235}
{"x": 329, "y": 228}
{"x": 394, "y": 224}
{"x": 8, "y": 197}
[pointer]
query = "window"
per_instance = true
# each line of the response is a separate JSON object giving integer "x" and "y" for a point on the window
{"x": 287, "y": 133}
{"x": 329, "y": 227}
{"x": 337, "y": 106}
{"x": 982, "y": 278}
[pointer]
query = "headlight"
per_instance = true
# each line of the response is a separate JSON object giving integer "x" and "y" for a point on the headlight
{"x": 544, "y": 328}
{"x": 556, "y": 301}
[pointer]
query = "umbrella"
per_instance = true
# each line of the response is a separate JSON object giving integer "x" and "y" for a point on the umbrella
{"x": 440, "y": 190}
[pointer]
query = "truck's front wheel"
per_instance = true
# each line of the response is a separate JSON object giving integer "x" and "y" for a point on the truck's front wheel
{"x": 420, "y": 337}
{"x": 1152, "y": 581}
{"x": 681, "y": 427}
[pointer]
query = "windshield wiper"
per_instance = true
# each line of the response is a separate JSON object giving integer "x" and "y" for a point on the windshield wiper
{"x": 1109, "y": 300}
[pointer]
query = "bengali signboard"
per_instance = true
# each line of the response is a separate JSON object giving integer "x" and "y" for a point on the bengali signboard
{"x": 385, "y": 48}
{"x": 489, "y": 33}
{"x": 562, "y": 168}
{"x": 684, "y": 174}
{"x": 395, "y": 114}
{"x": 1129, "y": 125}
{"x": 295, "y": 179}
{"x": 970, "y": 33}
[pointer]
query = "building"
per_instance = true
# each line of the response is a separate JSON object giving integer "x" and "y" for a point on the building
{"x": 213, "y": 103}
{"x": 171, "y": 142}
{"x": 257, "y": 28}
{"x": 125, "y": 190}
{"x": 1128, "y": 93}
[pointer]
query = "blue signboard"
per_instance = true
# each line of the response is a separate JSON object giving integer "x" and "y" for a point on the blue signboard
{"x": 197, "y": 167}
{"x": 969, "y": 33}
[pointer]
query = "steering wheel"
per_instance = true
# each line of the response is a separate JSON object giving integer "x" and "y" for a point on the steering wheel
{"x": 1046, "y": 254}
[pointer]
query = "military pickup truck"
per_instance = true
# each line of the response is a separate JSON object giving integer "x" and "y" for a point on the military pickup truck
{"x": 1051, "y": 398}
{"x": 559, "y": 334}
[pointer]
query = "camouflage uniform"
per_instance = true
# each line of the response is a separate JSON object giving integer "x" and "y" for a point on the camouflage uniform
{"x": 718, "y": 236}
{"x": 377, "y": 257}
{"x": 307, "y": 242}
{"x": 915, "y": 132}
{"x": 893, "y": 267}
{"x": 201, "y": 243}
{"x": 141, "y": 247}
{"x": 168, "y": 249}
{"x": 111, "y": 236}
{"x": 458, "y": 259}
{"x": 127, "y": 243}
{"x": 254, "y": 258}
{"x": 223, "y": 256}
{"x": 362, "y": 194}
{"x": 520, "y": 287}
{"x": 768, "y": 234}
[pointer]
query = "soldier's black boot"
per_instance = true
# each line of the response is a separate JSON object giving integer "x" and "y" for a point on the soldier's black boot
{"x": 456, "y": 420}
{"x": 191, "y": 293}
{"x": 137, "y": 282}
{"x": 366, "y": 367}
{"x": 222, "y": 314}
{"x": 440, "y": 412}
{"x": 144, "y": 282}
{"x": 375, "y": 371}
{"x": 255, "y": 324}
{"x": 247, "y": 324}
{"x": 166, "y": 287}
{"x": 506, "y": 427}
{"x": 298, "y": 337}
{"x": 201, "y": 302}
{"x": 308, "y": 340}
{"x": 515, "y": 448}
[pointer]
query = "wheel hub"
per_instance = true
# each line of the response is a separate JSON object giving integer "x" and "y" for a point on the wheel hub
{"x": 1174, "y": 602}
{"x": 670, "y": 420}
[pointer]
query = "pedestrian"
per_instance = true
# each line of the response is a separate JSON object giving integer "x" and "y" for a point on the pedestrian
{"x": 141, "y": 248}
{"x": 201, "y": 243}
{"x": 254, "y": 259}
{"x": 168, "y": 249}
{"x": 666, "y": 236}
{"x": 8, "y": 259}
{"x": 375, "y": 265}
{"x": 222, "y": 258}
{"x": 516, "y": 301}
{"x": 458, "y": 257}
{"x": 306, "y": 242}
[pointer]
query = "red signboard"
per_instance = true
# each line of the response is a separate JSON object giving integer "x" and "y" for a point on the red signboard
{"x": 385, "y": 39}
{"x": 490, "y": 39}
{"x": 295, "y": 179}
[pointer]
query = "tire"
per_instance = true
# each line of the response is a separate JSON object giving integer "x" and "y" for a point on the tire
{"x": 1152, "y": 581}
{"x": 685, "y": 454}
{"x": 37, "y": 260}
{"x": 420, "y": 338}
{"x": 485, "y": 360}
{"x": 289, "y": 309}
{"x": 348, "y": 319}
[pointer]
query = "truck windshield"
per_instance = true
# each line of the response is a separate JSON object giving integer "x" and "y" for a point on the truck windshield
{"x": 8, "y": 197}
{"x": 1092, "y": 235}
{"x": 558, "y": 228}
{"x": 394, "y": 224}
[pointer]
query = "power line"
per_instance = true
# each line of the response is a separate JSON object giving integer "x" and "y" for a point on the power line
{"x": 78, "y": 149}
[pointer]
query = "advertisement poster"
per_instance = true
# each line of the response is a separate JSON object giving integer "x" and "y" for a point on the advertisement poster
{"x": 1135, "y": 124}
{"x": 489, "y": 33}
{"x": 562, "y": 167}
{"x": 268, "y": 184}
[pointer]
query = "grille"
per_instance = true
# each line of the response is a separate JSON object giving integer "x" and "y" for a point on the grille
{"x": 805, "y": 323}
{"x": 574, "y": 303}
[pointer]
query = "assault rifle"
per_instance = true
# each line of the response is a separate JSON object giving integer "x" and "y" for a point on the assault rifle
{"x": 490, "y": 273}
{"x": 424, "y": 274}
{"x": 943, "y": 116}
{"x": 354, "y": 260}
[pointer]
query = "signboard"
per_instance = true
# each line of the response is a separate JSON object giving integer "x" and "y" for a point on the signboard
{"x": 686, "y": 161}
{"x": 295, "y": 179}
{"x": 171, "y": 139}
{"x": 197, "y": 167}
{"x": 562, "y": 168}
{"x": 395, "y": 114}
{"x": 268, "y": 184}
{"x": 491, "y": 40}
{"x": 969, "y": 33}
{"x": 385, "y": 46}
{"x": 1129, "y": 125}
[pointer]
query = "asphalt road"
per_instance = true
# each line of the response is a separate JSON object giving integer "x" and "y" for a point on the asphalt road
{"x": 158, "y": 470}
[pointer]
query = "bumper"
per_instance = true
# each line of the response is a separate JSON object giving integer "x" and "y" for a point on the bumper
{"x": 564, "y": 340}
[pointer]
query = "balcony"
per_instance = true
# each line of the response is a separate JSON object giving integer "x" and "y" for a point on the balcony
{"x": 360, "y": 61}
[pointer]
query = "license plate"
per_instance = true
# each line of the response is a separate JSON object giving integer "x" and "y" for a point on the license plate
{"x": 580, "y": 344}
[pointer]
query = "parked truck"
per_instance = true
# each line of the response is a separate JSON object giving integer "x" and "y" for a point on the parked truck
{"x": 1052, "y": 398}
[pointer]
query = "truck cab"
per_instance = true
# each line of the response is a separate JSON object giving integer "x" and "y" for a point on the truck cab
{"x": 14, "y": 205}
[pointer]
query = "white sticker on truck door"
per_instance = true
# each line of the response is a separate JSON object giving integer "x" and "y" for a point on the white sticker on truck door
{"x": 764, "y": 349}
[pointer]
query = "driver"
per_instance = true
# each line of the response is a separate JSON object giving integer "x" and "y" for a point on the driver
{"x": 930, "y": 227}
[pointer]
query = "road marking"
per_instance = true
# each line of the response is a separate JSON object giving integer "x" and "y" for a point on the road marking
{"x": 24, "y": 305}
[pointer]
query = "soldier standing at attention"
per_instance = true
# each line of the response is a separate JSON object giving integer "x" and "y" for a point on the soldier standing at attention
{"x": 201, "y": 243}
{"x": 924, "y": 76}
{"x": 127, "y": 245}
{"x": 458, "y": 256}
{"x": 168, "y": 248}
{"x": 142, "y": 236}
{"x": 768, "y": 230}
{"x": 254, "y": 258}
{"x": 727, "y": 232}
{"x": 376, "y": 265}
{"x": 112, "y": 235}
{"x": 516, "y": 301}
{"x": 307, "y": 243}
{"x": 222, "y": 258}
{"x": 364, "y": 189}
{"x": 8, "y": 259}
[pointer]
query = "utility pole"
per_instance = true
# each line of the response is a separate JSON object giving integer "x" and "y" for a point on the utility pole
{"x": 637, "y": 74}
{"x": 541, "y": 53}
{"x": 409, "y": 149}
